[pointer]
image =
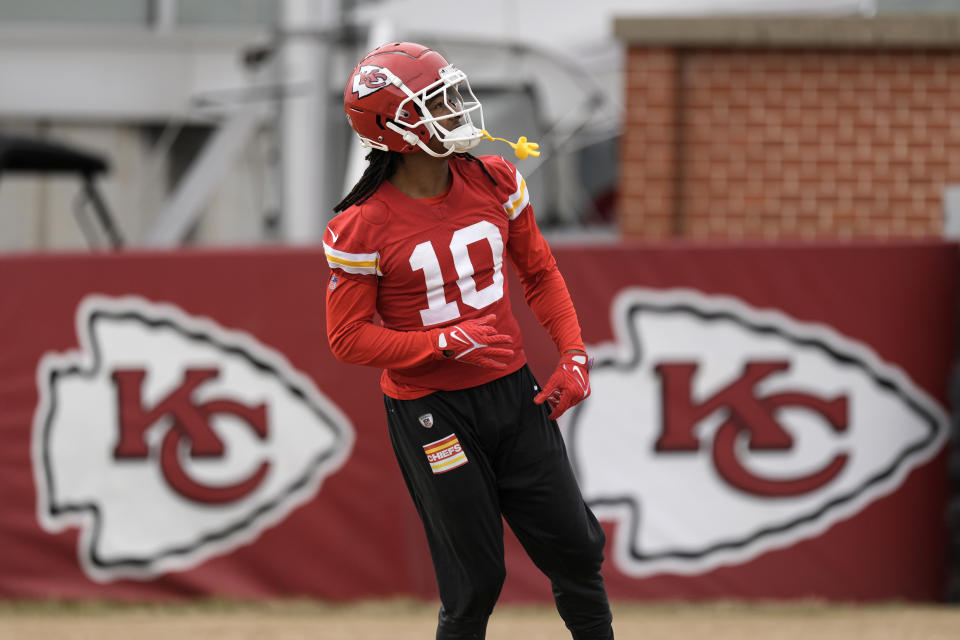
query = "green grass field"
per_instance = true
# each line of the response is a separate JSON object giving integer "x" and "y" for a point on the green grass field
{"x": 401, "y": 620}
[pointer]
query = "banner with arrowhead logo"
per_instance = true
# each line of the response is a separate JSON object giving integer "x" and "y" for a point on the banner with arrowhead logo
{"x": 764, "y": 422}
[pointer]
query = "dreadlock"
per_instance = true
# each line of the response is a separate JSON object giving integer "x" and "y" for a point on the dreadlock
{"x": 380, "y": 166}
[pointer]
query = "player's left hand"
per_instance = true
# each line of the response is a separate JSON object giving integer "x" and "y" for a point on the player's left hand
{"x": 568, "y": 385}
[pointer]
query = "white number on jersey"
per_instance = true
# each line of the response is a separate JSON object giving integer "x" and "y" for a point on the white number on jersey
{"x": 425, "y": 257}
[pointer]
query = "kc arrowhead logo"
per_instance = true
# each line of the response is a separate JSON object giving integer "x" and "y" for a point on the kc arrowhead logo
{"x": 716, "y": 431}
{"x": 168, "y": 439}
{"x": 370, "y": 78}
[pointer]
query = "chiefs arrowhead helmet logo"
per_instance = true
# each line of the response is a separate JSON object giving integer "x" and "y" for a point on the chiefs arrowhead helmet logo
{"x": 370, "y": 78}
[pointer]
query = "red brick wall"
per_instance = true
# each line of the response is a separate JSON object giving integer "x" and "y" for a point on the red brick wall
{"x": 788, "y": 144}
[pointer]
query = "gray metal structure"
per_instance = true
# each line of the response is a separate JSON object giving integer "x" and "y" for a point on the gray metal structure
{"x": 246, "y": 97}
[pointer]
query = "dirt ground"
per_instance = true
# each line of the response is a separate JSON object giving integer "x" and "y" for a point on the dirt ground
{"x": 415, "y": 621}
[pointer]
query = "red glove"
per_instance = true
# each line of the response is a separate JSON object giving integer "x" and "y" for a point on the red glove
{"x": 568, "y": 385}
{"x": 474, "y": 342}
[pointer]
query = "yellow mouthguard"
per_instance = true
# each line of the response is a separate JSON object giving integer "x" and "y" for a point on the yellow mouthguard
{"x": 521, "y": 147}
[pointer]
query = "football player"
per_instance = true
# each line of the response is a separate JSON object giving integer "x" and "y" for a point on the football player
{"x": 422, "y": 240}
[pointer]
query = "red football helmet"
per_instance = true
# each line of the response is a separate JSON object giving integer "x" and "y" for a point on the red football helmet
{"x": 386, "y": 101}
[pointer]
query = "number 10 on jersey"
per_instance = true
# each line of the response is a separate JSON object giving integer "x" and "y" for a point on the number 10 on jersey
{"x": 424, "y": 257}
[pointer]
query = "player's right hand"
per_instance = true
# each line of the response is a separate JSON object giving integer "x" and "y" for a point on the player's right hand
{"x": 474, "y": 342}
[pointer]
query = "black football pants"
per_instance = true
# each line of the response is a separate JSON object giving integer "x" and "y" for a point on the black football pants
{"x": 516, "y": 465}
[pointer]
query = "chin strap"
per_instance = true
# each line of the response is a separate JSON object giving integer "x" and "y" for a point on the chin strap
{"x": 521, "y": 147}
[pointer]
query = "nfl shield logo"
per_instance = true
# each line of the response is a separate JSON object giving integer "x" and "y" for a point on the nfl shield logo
{"x": 427, "y": 420}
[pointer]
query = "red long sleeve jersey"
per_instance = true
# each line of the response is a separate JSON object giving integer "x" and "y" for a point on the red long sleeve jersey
{"x": 425, "y": 264}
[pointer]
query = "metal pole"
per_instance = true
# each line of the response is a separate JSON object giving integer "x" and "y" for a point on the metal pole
{"x": 102, "y": 213}
{"x": 306, "y": 54}
{"x": 164, "y": 16}
{"x": 184, "y": 207}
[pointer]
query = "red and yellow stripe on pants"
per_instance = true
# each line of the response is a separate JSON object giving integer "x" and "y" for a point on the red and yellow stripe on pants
{"x": 446, "y": 454}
